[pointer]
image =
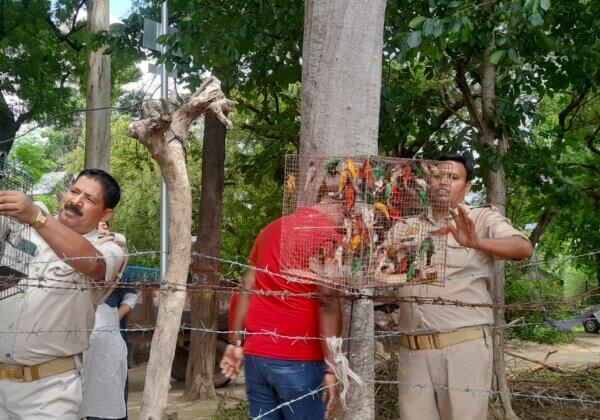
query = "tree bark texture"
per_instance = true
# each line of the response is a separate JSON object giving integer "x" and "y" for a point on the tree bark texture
{"x": 496, "y": 195}
{"x": 341, "y": 76}
{"x": 164, "y": 137}
{"x": 97, "y": 129}
{"x": 204, "y": 308}
{"x": 341, "y": 87}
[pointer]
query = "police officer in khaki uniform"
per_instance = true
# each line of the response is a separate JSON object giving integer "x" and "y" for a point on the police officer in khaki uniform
{"x": 45, "y": 328}
{"x": 448, "y": 349}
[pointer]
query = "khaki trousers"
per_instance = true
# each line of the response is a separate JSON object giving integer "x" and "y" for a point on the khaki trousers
{"x": 429, "y": 379}
{"x": 51, "y": 398}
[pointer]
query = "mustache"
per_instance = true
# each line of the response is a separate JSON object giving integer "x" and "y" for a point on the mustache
{"x": 71, "y": 207}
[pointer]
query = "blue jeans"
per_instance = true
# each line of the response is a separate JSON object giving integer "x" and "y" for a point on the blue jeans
{"x": 271, "y": 382}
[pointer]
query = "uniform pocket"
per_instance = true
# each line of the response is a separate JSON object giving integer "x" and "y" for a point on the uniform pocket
{"x": 457, "y": 255}
{"x": 58, "y": 278}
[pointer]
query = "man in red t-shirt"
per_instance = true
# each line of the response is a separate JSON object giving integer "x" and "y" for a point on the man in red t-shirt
{"x": 284, "y": 351}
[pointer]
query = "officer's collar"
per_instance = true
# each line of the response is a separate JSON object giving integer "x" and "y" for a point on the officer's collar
{"x": 429, "y": 214}
{"x": 91, "y": 235}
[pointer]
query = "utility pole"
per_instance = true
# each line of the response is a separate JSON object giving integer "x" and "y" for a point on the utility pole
{"x": 164, "y": 96}
{"x": 97, "y": 131}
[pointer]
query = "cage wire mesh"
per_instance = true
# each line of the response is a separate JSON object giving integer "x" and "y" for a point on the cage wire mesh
{"x": 15, "y": 245}
{"x": 364, "y": 221}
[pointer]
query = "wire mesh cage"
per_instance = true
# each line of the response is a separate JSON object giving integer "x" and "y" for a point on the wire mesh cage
{"x": 364, "y": 221}
{"x": 16, "y": 248}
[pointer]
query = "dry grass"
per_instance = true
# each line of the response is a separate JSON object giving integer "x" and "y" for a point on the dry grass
{"x": 575, "y": 384}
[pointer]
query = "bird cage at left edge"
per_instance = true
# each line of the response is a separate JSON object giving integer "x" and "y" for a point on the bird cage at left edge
{"x": 16, "y": 249}
{"x": 364, "y": 221}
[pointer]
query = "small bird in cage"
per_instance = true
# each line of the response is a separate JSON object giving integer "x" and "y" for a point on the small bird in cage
{"x": 310, "y": 174}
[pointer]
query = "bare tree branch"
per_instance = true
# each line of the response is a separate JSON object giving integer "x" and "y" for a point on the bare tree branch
{"x": 542, "y": 224}
{"x": 591, "y": 139}
{"x": 460, "y": 66}
{"x": 572, "y": 108}
{"x": 62, "y": 37}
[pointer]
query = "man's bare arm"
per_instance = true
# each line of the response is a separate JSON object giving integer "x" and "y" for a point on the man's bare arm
{"x": 241, "y": 307}
{"x": 512, "y": 248}
{"x": 465, "y": 233}
{"x": 330, "y": 318}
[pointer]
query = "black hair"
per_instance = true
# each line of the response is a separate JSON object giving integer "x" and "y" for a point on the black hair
{"x": 467, "y": 163}
{"x": 112, "y": 191}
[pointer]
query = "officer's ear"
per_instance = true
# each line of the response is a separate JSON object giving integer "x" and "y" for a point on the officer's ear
{"x": 107, "y": 215}
{"x": 467, "y": 187}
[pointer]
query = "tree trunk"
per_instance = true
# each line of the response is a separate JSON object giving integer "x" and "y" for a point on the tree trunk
{"x": 496, "y": 195}
{"x": 341, "y": 86}
{"x": 97, "y": 129}
{"x": 164, "y": 137}
{"x": 8, "y": 127}
{"x": 204, "y": 309}
{"x": 541, "y": 226}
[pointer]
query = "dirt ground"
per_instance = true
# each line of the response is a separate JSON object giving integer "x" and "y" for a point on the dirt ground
{"x": 185, "y": 410}
{"x": 583, "y": 351}
{"x": 579, "y": 378}
{"x": 579, "y": 355}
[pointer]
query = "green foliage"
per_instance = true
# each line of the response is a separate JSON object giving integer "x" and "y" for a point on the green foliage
{"x": 540, "y": 334}
{"x": 546, "y": 54}
{"x": 30, "y": 154}
{"x": 50, "y": 201}
{"x": 43, "y": 55}
{"x": 252, "y": 198}
{"x": 537, "y": 286}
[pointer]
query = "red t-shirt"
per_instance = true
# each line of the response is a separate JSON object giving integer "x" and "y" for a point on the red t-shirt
{"x": 305, "y": 232}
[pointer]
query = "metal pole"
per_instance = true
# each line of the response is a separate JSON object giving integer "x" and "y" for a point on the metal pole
{"x": 164, "y": 95}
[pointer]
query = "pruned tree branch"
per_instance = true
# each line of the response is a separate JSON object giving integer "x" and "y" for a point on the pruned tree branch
{"x": 164, "y": 136}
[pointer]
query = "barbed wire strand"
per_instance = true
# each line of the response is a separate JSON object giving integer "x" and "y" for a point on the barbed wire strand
{"x": 489, "y": 392}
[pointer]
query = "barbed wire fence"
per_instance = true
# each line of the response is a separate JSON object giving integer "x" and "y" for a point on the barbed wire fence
{"x": 229, "y": 286}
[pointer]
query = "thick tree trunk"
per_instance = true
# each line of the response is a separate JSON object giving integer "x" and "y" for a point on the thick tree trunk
{"x": 164, "y": 136}
{"x": 204, "y": 309}
{"x": 97, "y": 129}
{"x": 341, "y": 76}
{"x": 341, "y": 82}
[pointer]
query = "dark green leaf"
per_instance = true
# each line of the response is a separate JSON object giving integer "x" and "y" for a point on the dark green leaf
{"x": 414, "y": 39}
{"x": 497, "y": 56}
{"x": 536, "y": 19}
{"x": 416, "y": 22}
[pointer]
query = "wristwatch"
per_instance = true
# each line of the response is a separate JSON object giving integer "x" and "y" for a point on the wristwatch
{"x": 40, "y": 219}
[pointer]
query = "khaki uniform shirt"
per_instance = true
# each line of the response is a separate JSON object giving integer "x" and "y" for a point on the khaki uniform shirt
{"x": 469, "y": 275}
{"x": 52, "y": 316}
